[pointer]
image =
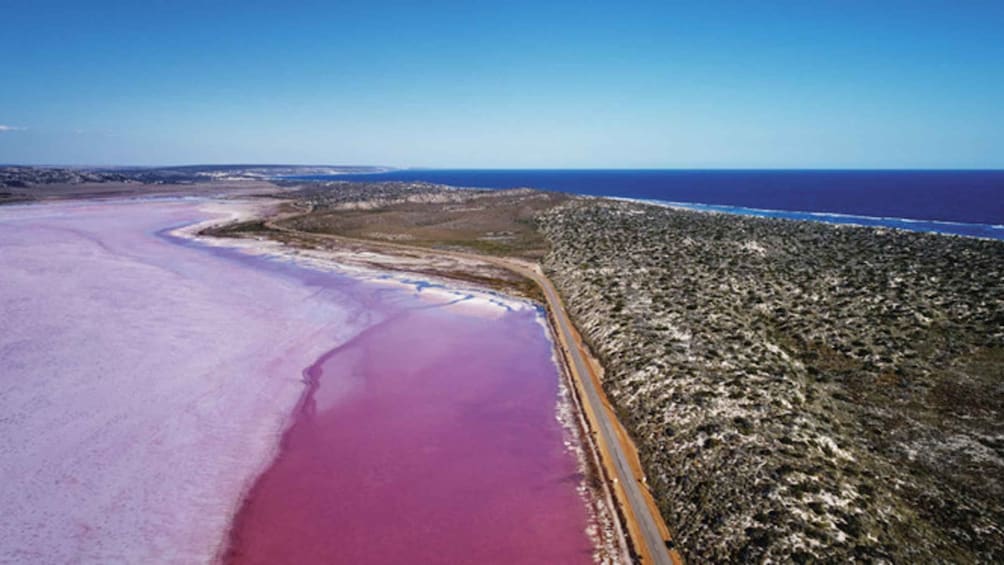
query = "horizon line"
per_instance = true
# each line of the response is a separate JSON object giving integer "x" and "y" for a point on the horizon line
{"x": 391, "y": 168}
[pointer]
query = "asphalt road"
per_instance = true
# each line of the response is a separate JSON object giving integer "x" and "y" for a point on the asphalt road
{"x": 650, "y": 532}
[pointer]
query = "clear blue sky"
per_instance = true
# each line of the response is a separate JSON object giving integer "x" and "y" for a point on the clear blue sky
{"x": 505, "y": 83}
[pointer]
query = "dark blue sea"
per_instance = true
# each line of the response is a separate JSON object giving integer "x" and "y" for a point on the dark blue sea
{"x": 967, "y": 203}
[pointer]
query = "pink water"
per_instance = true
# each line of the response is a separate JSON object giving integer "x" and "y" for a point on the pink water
{"x": 430, "y": 438}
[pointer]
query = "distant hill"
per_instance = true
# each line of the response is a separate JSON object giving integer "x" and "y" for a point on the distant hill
{"x": 25, "y": 176}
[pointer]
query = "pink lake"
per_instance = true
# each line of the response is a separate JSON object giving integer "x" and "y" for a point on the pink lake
{"x": 172, "y": 402}
{"x": 429, "y": 438}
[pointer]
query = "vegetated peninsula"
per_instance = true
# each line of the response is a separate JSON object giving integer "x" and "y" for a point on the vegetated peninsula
{"x": 797, "y": 390}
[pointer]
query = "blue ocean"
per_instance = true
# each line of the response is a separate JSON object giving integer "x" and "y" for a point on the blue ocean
{"x": 969, "y": 203}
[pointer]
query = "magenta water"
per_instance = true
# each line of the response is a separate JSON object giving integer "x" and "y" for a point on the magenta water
{"x": 429, "y": 438}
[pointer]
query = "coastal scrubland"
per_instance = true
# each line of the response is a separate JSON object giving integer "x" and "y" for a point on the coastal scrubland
{"x": 798, "y": 391}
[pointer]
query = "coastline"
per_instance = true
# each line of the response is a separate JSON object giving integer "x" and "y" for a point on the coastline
{"x": 954, "y": 196}
{"x": 777, "y": 370}
{"x": 958, "y": 229}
